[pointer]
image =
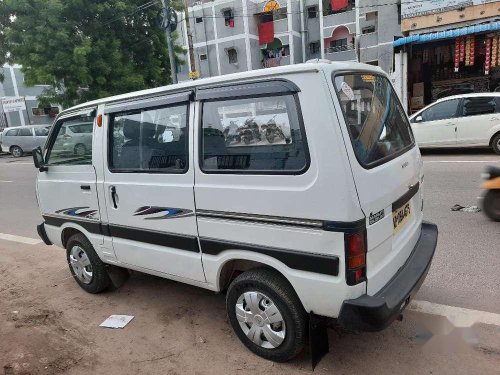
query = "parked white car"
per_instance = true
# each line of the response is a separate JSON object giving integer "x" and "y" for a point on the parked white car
{"x": 328, "y": 223}
{"x": 22, "y": 139}
{"x": 467, "y": 120}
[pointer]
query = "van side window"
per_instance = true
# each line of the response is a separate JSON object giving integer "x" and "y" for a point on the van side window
{"x": 70, "y": 148}
{"x": 149, "y": 140}
{"x": 261, "y": 134}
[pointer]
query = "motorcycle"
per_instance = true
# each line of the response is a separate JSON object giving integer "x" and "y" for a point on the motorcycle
{"x": 250, "y": 131}
{"x": 272, "y": 131}
{"x": 491, "y": 199}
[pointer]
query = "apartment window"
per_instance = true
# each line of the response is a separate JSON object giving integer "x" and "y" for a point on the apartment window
{"x": 47, "y": 111}
{"x": 228, "y": 17}
{"x": 368, "y": 29}
{"x": 199, "y": 19}
{"x": 338, "y": 45}
{"x": 314, "y": 48}
{"x": 232, "y": 55}
{"x": 203, "y": 57}
{"x": 312, "y": 12}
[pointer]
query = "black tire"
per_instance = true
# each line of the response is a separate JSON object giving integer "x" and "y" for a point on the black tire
{"x": 495, "y": 143}
{"x": 80, "y": 149}
{"x": 491, "y": 204}
{"x": 278, "y": 289}
{"x": 100, "y": 280}
{"x": 16, "y": 151}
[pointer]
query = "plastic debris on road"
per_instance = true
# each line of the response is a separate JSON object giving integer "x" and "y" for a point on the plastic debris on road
{"x": 116, "y": 321}
{"x": 458, "y": 207}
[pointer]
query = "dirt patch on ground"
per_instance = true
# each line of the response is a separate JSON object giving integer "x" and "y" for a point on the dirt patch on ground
{"x": 49, "y": 325}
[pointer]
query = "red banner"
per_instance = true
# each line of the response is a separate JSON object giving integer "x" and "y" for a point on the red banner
{"x": 457, "y": 54}
{"x": 487, "y": 58}
{"x": 339, "y": 4}
{"x": 266, "y": 32}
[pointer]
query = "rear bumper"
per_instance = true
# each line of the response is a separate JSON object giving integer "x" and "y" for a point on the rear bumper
{"x": 374, "y": 313}
{"x": 40, "y": 228}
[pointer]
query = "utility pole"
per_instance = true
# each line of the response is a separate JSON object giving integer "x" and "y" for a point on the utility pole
{"x": 193, "y": 73}
{"x": 167, "y": 20}
{"x": 357, "y": 41}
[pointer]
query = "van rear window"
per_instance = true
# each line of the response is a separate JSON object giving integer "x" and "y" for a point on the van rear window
{"x": 376, "y": 121}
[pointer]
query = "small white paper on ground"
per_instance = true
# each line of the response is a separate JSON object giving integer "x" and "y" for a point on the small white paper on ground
{"x": 117, "y": 321}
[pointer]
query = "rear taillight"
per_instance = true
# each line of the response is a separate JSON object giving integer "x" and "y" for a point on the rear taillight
{"x": 355, "y": 249}
{"x": 66, "y": 136}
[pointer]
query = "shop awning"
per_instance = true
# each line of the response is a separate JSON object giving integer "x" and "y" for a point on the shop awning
{"x": 448, "y": 34}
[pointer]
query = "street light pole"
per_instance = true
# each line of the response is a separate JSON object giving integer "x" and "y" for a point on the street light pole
{"x": 166, "y": 22}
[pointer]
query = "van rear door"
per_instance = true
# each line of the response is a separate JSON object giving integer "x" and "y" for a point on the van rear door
{"x": 386, "y": 167}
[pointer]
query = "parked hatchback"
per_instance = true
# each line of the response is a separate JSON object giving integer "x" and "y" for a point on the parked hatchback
{"x": 469, "y": 120}
{"x": 22, "y": 139}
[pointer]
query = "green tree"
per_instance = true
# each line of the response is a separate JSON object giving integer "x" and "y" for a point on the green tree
{"x": 85, "y": 49}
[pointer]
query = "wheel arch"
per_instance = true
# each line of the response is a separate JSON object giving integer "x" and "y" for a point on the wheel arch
{"x": 233, "y": 266}
{"x": 68, "y": 232}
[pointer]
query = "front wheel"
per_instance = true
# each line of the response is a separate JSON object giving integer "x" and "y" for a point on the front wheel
{"x": 491, "y": 204}
{"x": 16, "y": 151}
{"x": 267, "y": 315}
{"x": 85, "y": 265}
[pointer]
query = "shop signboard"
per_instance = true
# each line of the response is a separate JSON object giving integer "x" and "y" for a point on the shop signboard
{"x": 412, "y": 8}
{"x": 14, "y": 104}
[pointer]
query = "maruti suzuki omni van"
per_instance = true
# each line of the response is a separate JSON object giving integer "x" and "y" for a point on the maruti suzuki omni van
{"x": 298, "y": 190}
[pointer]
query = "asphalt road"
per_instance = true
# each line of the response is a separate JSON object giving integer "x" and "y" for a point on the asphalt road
{"x": 465, "y": 273}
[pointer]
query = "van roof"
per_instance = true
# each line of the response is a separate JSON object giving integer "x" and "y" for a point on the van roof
{"x": 312, "y": 65}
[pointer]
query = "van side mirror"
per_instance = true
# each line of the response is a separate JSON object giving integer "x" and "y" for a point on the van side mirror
{"x": 418, "y": 119}
{"x": 38, "y": 159}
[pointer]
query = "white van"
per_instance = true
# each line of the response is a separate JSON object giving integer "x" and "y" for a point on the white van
{"x": 323, "y": 220}
{"x": 468, "y": 120}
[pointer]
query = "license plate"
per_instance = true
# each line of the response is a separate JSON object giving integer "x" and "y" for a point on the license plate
{"x": 401, "y": 216}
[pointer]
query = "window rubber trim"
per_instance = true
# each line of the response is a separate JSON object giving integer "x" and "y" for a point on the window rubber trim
{"x": 386, "y": 159}
{"x": 148, "y": 103}
{"x": 54, "y": 129}
{"x": 148, "y": 171}
{"x": 258, "y": 172}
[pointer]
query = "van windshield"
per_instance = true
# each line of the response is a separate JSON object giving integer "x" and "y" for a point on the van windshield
{"x": 377, "y": 124}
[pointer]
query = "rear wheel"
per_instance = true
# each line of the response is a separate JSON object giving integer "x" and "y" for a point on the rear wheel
{"x": 267, "y": 315}
{"x": 495, "y": 143}
{"x": 16, "y": 151}
{"x": 85, "y": 265}
{"x": 80, "y": 150}
{"x": 491, "y": 204}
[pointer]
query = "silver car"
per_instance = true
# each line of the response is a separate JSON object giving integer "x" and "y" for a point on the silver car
{"x": 74, "y": 139}
{"x": 21, "y": 139}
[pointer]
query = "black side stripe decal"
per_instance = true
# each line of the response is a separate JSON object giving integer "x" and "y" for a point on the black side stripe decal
{"x": 317, "y": 263}
{"x": 178, "y": 241}
{"x": 303, "y": 261}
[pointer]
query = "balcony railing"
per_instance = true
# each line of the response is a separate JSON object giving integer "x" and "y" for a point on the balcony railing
{"x": 276, "y": 61}
{"x": 347, "y": 47}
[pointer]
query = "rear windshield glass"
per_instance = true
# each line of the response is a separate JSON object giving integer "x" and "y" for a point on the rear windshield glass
{"x": 377, "y": 124}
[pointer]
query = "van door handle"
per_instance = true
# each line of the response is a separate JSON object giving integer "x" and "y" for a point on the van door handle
{"x": 114, "y": 196}
{"x": 85, "y": 187}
